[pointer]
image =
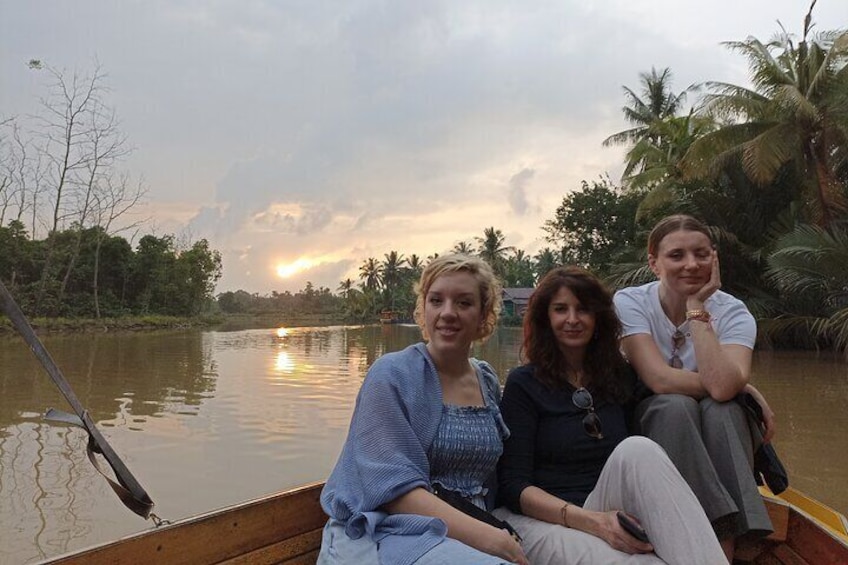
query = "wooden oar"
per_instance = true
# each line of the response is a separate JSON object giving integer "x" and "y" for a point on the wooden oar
{"x": 127, "y": 488}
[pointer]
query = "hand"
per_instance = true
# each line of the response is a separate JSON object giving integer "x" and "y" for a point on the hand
{"x": 769, "y": 421}
{"x": 506, "y": 547}
{"x": 713, "y": 284}
{"x": 618, "y": 538}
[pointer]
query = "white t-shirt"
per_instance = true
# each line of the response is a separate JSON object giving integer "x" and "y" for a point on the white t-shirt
{"x": 640, "y": 312}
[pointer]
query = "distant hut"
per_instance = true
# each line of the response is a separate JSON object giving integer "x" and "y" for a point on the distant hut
{"x": 515, "y": 301}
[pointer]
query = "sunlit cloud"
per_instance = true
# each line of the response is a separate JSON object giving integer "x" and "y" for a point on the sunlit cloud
{"x": 286, "y": 270}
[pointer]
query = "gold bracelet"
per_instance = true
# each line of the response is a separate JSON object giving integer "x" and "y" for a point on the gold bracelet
{"x": 563, "y": 512}
{"x": 699, "y": 315}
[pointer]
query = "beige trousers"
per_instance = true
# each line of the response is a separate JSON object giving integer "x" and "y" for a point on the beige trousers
{"x": 640, "y": 479}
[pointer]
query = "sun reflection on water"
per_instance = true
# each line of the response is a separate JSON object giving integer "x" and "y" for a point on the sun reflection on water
{"x": 284, "y": 363}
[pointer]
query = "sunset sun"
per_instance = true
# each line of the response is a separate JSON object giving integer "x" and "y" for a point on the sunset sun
{"x": 285, "y": 270}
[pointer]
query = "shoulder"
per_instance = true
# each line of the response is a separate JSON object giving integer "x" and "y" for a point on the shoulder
{"x": 733, "y": 322}
{"x": 398, "y": 368}
{"x": 522, "y": 372}
{"x": 635, "y": 293}
{"x": 488, "y": 376}
{"x": 725, "y": 302}
{"x": 727, "y": 309}
{"x": 522, "y": 377}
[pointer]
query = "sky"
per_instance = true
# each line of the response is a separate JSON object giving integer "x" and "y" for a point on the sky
{"x": 301, "y": 137}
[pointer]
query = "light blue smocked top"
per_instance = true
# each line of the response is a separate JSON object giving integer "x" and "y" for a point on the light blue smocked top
{"x": 466, "y": 449}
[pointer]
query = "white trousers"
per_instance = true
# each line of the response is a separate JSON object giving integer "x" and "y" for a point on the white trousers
{"x": 640, "y": 479}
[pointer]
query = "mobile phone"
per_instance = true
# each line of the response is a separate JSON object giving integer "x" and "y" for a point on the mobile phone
{"x": 631, "y": 527}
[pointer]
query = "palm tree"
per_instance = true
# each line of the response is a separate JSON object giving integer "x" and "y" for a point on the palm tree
{"x": 654, "y": 162}
{"x": 464, "y": 248}
{"x": 391, "y": 275}
{"x": 369, "y": 274}
{"x": 657, "y": 102}
{"x": 796, "y": 114}
{"x": 544, "y": 261}
{"x": 415, "y": 265}
{"x": 492, "y": 249}
{"x": 345, "y": 287}
{"x": 519, "y": 270}
{"x": 809, "y": 265}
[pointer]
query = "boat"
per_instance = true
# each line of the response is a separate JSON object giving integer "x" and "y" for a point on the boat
{"x": 390, "y": 317}
{"x": 286, "y": 528}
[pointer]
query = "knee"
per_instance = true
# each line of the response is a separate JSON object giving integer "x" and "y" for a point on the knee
{"x": 717, "y": 416}
{"x": 672, "y": 407}
{"x": 712, "y": 410}
{"x": 635, "y": 448}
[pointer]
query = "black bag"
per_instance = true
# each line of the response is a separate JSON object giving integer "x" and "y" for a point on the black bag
{"x": 767, "y": 465}
{"x": 464, "y": 505}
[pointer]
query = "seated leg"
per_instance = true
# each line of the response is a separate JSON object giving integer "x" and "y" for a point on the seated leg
{"x": 674, "y": 422}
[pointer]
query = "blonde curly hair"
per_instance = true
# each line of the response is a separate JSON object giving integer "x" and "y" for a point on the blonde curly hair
{"x": 487, "y": 283}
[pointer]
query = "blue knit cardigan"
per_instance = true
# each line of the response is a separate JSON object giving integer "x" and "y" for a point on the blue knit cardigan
{"x": 397, "y": 413}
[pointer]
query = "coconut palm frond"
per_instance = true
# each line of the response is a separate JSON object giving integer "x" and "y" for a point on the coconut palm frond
{"x": 765, "y": 154}
{"x": 811, "y": 259}
{"x": 838, "y": 328}
{"x": 629, "y": 274}
{"x": 796, "y": 329}
{"x": 623, "y": 137}
{"x": 714, "y": 150}
{"x": 831, "y": 60}
{"x": 728, "y": 101}
{"x": 791, "y": 100}
{"x": 661, "y": 195}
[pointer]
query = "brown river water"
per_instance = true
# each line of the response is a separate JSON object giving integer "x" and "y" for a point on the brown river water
{"x": 207, "y": 419}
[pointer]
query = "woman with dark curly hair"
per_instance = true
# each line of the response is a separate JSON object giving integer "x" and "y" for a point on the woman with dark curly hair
{"x": 576, "y": 487}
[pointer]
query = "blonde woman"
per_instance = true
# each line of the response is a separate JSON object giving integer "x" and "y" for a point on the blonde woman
{"x": 425, "y": 415}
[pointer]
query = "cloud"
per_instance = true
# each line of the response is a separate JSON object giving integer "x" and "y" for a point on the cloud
{"x": 517, "y": 190}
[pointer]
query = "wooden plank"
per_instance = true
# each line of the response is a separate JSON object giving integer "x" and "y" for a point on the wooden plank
{"x": 214, "y": 537}
{"x": 814, "y": 543}
{"x": 788, "y": 557}
{"x": 778, "y": 512}
{"x": 308, "y": 559}
{"x": 751, "y": 551}
{"x": 285, "y": 551}
{"x": 766, "y": 558}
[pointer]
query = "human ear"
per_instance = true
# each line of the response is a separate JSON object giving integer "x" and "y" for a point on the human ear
{"x": 652, "y": 264}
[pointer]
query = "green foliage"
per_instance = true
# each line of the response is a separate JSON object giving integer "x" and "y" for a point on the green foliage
{"x": 796, "y": 116}
{"x": 809, "y": 265}
{"x": 595, "y": 226}
{"x": 156, "y": 278}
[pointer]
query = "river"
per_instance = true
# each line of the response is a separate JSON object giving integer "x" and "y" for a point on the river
{"x": 206, "y": 419}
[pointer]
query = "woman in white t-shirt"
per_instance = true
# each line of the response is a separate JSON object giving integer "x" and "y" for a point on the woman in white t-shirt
{"x": 692, "y": 345}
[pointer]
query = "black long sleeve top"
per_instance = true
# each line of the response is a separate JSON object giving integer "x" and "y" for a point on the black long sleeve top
{"x": 548, "y": 447}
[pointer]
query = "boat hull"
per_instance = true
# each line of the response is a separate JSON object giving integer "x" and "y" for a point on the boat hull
{"x": 286, "y": 528}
